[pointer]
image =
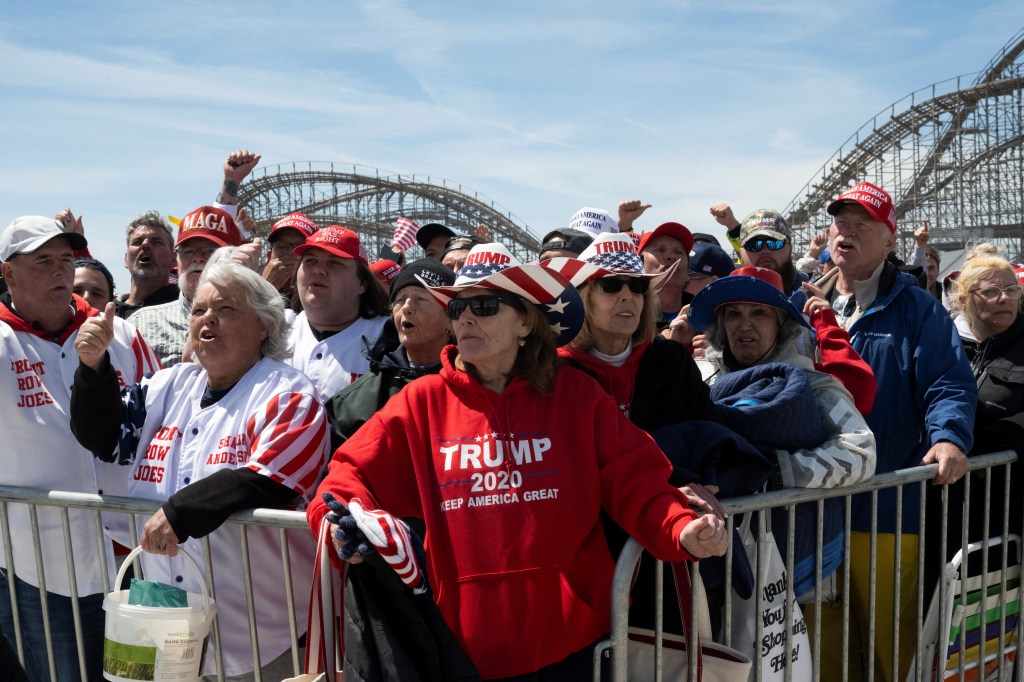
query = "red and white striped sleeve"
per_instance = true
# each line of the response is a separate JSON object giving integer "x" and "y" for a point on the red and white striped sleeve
{"x": 288, "y": 441}
{"x": 146, "y": 361}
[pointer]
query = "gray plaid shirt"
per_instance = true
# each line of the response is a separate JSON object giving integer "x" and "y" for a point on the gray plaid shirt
{"x": 165, "y": 328}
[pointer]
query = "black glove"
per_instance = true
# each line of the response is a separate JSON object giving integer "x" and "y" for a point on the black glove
{"x": 348, "y": 532}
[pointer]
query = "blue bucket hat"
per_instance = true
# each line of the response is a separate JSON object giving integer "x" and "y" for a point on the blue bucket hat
{"x": 745, "y": 285}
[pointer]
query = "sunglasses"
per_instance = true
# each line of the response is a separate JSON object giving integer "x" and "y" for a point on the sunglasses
{"x": 613, "y": 285}
{"x": 758, "y": 244}
{"x": 482, "y": 306}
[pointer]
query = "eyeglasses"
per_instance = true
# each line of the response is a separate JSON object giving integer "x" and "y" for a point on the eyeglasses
{"x": 613, "y": 285}
{"x": 482, "y": 306}
{"x": 1012, "y": 292}
{"x": 190, "y": 252}
{"x": 285, "y": 247}
{"x": 758, "y": 244}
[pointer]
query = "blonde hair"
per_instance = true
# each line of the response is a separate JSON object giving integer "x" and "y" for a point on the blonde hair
{"x": 644, "y": 331}
{"x": 981, "y": 260}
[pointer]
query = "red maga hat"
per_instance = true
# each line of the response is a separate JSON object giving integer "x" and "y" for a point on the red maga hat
{"x": 295, "y": 221}
{"x": 209, "y": 223}
{"x": 875, "y": 200}
{"x": 337, "y": 240}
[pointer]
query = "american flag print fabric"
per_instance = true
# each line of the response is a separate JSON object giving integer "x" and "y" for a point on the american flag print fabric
{"x": 405, "y": 234}
{"x": 390, "y": 536}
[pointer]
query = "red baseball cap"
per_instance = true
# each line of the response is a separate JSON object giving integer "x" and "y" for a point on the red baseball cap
{"x": 764, "y": 274}
{"x": 337, "y": 240}
{"x": 209, "y": 223}
{"x": 677, "y": 230}
{"x": 875, "y": 200}
{"x": 295, "y": 221}
{"x": 386, "y": 269}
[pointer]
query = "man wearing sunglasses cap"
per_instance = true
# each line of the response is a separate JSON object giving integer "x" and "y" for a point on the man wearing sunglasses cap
{"x": 766, "y": 241}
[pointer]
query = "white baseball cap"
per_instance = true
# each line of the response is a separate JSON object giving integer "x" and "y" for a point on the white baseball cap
{"x": 28, "y": 233}
{"x": 593, "y": 221}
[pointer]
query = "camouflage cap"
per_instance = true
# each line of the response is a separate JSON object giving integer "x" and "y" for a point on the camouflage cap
{"x": 766, "y": 222}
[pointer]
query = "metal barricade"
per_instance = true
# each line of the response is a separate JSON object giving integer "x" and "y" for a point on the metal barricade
{"x": 991, "y": 593}
{"x": 288, "y": 524}
{"x": 991, "y": 590}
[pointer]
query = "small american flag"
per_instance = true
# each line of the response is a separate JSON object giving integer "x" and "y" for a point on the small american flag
{"x": 405, "y": 234}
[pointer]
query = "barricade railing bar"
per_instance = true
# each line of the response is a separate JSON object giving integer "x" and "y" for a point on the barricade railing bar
{"x": 283, "y": 520}
{"x": 615, "y": 647}
{"x": 611, "y": 653}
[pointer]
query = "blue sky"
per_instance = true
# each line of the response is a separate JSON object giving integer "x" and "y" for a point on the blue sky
{"x": 112, "y": 108}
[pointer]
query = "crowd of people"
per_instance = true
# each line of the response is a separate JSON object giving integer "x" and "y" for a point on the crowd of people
{"x": 501, "y": 427}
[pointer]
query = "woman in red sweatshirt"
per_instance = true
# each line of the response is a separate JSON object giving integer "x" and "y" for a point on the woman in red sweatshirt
{"x": 509, "y": 460}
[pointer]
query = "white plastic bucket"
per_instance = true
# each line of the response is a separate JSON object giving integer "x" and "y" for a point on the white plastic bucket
{"x": 155, "y": 643}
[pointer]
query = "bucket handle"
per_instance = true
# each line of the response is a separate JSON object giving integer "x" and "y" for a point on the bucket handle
{"x": 202, "y": 579}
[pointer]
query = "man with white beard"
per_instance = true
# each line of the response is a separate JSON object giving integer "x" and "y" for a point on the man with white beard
{"x": 203, "y": 231}
{"x": 200, "y": 233}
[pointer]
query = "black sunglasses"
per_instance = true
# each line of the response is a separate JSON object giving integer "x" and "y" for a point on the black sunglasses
{"x": 613, "y": 285}
{"x": 758, "y": 244}
{"x": 482, "y": 306}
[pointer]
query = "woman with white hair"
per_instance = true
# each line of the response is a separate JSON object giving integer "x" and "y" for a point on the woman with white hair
{"x": 237, "y": 428}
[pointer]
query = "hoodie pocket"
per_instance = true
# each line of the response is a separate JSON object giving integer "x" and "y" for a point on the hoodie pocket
{"x": 518, "y": 621}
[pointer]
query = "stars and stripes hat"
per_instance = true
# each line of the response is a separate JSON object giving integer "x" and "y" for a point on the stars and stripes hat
{"x": 491, "y": 266}
{"x": 611, "y": 254}
{"x": 337, "y": 240}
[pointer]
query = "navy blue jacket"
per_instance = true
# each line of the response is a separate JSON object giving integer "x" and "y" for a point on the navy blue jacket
{"x": 926, "y": 391}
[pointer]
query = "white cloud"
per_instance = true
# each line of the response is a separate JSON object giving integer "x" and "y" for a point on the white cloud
{"x": 546, "y": 107}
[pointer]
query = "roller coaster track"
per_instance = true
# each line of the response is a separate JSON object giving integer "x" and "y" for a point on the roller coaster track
{"x": 955, "y": 158}
{"x": 369, "y": 202}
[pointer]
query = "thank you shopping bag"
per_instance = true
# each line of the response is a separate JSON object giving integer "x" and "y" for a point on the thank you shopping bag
{"x": 771, "y": 613}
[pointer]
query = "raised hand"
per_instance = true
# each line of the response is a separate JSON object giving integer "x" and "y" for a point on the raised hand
{"x": 629, "y": 211}
{"x": 95, "y": 336}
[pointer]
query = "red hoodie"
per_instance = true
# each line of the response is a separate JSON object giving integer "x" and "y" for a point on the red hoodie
{"x": 619, "y": 381}
{"x": 510, "y": 486}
